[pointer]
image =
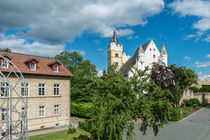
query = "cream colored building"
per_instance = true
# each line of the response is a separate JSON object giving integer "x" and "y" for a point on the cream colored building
{"x": 47, "y": 87}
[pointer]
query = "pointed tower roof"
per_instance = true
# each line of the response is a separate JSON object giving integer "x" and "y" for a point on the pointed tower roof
{"x": 114, "y": 37}
{"x": 141, "y": 50}
{"x": 163, "y": 50}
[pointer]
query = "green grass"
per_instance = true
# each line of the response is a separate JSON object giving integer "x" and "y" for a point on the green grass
{"x": 60, "y": 135}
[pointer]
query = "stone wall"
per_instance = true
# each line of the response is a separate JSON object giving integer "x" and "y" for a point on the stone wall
{"x": 202, "y": 97}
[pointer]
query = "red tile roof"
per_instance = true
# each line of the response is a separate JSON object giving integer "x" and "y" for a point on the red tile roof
{"x": 42, "y": 67}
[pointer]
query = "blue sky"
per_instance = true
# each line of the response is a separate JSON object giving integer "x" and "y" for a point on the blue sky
{"x": 34, "y": 27}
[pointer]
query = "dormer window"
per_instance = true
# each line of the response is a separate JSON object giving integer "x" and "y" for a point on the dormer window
{"x": 33, "y": 66}
{"x": 55, "y": 68}
{"x": 4, "y": 63}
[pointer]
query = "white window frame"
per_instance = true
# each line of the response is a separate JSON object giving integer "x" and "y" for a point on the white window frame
{"x": 27, "y": 113}
{"x": 5, "y": 63}
{"x": 41, "y": 111}
{"x": 56, "y": 89}
{"x": 56, "y": 109}
{"x": 34, "y": 66}
{"x": 41, "y": 89}
{"x": 55, "y": 70}
{"x": 2, "y": 87}
{"x": 23, "y": 88}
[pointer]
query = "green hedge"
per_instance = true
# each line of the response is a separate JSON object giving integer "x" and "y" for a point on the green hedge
{"x": 82, "y": 109}
{"x": 174, "y": 114}
{"x": 203, "y": 89}
{"x": 191, "y": 102}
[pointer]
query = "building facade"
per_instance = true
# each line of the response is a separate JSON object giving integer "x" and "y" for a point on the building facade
{"x": 47, "y": 88}
{"x": 144, "y": 56}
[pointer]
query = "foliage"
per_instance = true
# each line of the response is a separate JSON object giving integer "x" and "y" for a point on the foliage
{"x": 176, "y": 79}
{"x": 203, "y": 89}
{"x": 82, "y": 109}
{"x": 83, "y": 137}
{"x": 121, "y": 101}
{"x": 71, "y": 130}
{"x": 84, "y": 73}
{"x": 194, "y": 102}
{"x": 174, "y": 114}
{"x": 5, "y": 50}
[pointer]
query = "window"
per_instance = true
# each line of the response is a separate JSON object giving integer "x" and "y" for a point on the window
{"x": 41, "y": 89}
{"x": 41, "y": 111}
{"x": 153, "y": 56}
{"x": 33, "y": 66}
{"x": 56, "y": 89}
{"x": 24, "y": 89}
{"x": 4, "y": 89}
{"x": 4, "y": 63}
{"x": 3, "y": 114}
{"x": 55, "y": 68}
{"x": 56, "y": 109}
{"x": 116, "y": 55}
{"x": 153, "y": 49}
{"x": 24, "y": 111}
{"x": 150, "y": 49}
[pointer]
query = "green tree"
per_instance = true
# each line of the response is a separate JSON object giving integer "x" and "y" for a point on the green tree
{"x": 5, "y": 50}
{"x": 176, "y": 79}
{"x": 84, "y": 73}
{"x": 122, "y": 101}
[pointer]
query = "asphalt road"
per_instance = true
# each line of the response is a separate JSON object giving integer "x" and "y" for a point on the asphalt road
{"x": 195, "y": 127}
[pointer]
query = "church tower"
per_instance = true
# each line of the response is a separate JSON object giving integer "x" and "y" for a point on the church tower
{"x": 115, "y": 52}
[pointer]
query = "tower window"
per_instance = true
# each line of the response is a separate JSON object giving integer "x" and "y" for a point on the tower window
{"x": 153, "y": 56}
{"x": 153, "y": 49}
{"x": 150, "y": 49}
{"x": 116, "y": 55}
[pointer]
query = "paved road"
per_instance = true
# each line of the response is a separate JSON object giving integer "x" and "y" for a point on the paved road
{"x": 196, "y": 127}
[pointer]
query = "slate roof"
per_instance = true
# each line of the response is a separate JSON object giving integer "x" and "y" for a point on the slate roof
{"x": 114, "y": 38}
{"x": 42, "y": 67}
{"x": 163, "y": 50}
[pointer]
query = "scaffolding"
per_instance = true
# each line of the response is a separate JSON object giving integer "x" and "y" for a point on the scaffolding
{"x": 13, "y": 102}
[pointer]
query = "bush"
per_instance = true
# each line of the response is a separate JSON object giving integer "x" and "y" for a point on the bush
{"x": 82, "y": 137}
{"x": 82, "y": 109}
{"x": 174, "y": 114}
{"x": 191, "y": 102}
{"x": 84, "y": 125}
{"x": 71, "y": 130}
{"x": 203, "y": 89}
{"x": 194, "y": 89}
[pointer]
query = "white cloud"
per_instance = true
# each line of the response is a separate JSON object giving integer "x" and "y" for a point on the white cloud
{"x": 19, "y": 45}
{"x": 187, "y": 58}
{"x": 63, "y": 20}
{"x": 204, "y": 75}
{"x": 208, "y": 56}
{"x": 100, "y": 73}
{"x": 201, "y": 64}
{"x": 198, "y": 8}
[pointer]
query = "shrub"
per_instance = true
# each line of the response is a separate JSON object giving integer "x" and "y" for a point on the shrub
{"x": 84, "y": 125}
{"x": 194, "y": 89}
{"x": 82, "y": 109}
{"x": 174, "y": 114}
{"x": 82, "y": 137}
{"x": 71, "y": 130}
{"x": 191, "y": 102}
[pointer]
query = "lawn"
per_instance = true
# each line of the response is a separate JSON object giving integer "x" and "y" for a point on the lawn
{"x": 60, "y": 135}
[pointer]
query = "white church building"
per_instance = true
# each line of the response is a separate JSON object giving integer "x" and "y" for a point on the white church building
{"x": 145, "y": 55}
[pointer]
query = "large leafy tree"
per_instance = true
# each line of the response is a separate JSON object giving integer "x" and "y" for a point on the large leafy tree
{"x": 176, "y": 79}
{"x": 5, "y": 50}
{"x": 122, "y": 101}
{"x": 84, "y": 73}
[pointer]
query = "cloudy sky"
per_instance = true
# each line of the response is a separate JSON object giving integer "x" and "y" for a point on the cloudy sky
{"x": 47, "y": 27}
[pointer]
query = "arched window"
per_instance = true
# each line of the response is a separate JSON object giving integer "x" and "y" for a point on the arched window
{"x": 153, "y": 56}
